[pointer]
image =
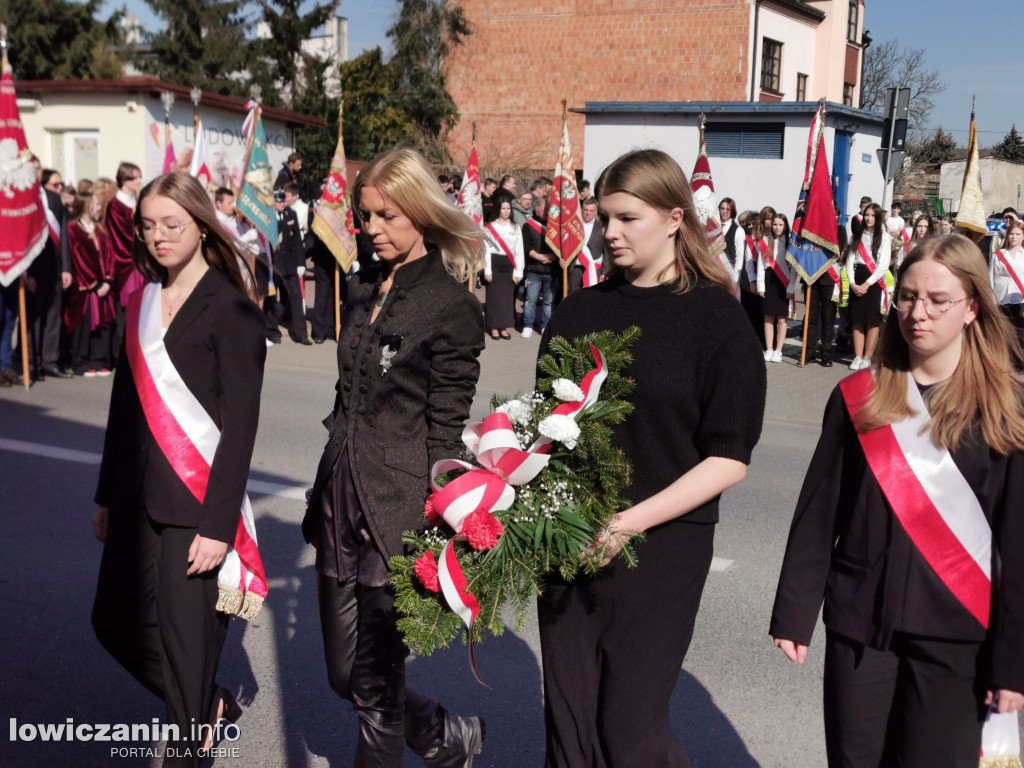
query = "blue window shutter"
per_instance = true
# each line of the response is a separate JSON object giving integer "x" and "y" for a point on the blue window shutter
{"x": 753, "y": 140}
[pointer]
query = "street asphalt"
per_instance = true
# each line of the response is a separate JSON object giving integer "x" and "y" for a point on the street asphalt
{"x": 738, "y": 702}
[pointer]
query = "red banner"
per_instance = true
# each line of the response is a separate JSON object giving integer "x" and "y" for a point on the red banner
{"x": 704, "y": 200}
{"x": 24, "y": 232}
{"x": 470, "y": 202}
{"x": 565, "y": 224}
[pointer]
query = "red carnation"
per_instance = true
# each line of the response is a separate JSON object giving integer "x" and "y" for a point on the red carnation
{"x": 426, "y": 571}
{"x": 482, "y": 529}
{"x": 428, "y": 510}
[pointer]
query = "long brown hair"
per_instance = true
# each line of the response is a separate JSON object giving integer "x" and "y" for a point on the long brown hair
{"x": 985, "y": 388}
{"x": 405, "y": 178}
{"x": 657, "y": 180}
{"x": 218, "y": 248}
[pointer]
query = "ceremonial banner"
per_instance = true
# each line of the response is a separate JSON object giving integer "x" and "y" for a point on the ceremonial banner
{"x": 199, "y": 167}
{"x": 332, "y": 222}
{"x": 24, "y": 229}
{"x": 256, "y": 197}
{"x": 470, "y": 202}
{"x": 565, "y": 224}
{"x": 704, "y": 199}
{"x": 970, "y": 213}
{"x": 169, "y": 158}
{"x": 814, "y": 245}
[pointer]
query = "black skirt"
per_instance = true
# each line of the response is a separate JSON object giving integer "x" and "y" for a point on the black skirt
{"x": 500, "y": 309}
{"x": 866, "y": 310}
{"x": 775, "y": 302}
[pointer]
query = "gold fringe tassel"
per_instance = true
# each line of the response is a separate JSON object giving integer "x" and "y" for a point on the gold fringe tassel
{"x": 1000, "y": 761}
{"x": 235, "y": 602}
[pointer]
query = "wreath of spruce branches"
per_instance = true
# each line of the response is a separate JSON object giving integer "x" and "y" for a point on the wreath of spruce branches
{"x": 555, "y": 518}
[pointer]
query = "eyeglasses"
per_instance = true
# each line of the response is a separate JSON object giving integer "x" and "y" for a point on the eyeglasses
{"x": 906, "y": 302}
{"x": 172, "y": 232}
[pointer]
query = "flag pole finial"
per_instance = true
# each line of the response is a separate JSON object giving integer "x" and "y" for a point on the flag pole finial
{"x": 255, "y": 93}
{"x": 702, "y": 121}
{"x": 168, "y": 99}
{"x": 564, "y": 111}
{"x": 3, "y": 37}
{"x": 474, "y": 132}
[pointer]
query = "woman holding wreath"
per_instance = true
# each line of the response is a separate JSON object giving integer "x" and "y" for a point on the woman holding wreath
{"x": 613, "y": 644}
{"x": 407, "y": 372}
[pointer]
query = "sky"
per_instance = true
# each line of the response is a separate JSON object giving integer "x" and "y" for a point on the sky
{"x": 981, "y": 62}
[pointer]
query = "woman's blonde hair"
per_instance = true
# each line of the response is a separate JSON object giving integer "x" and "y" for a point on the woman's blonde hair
{"x": 657, "y": 180}
{"x": 407, "y": 180}
{"x": 219, "y": 249}
{"x": 985, "y": 387}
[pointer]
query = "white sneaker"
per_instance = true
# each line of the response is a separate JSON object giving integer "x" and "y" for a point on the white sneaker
{"x": 527, "y": 333}
{"x": 777, "y": 356}
{"x": 865, "y": 363}
{"x": 767, "y": 355}
{"x": 855, "y": 365}
{"x": 270, "y": 343}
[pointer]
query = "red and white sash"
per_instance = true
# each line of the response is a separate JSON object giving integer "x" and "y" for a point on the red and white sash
{"x": 51, "y": 220}
{"x": 1010, "y": 271}
{"x": 834, "y": 274}
{"x": 490, "y": 486}
{"x": 941, "y": 514}
{"x": 500, "y": 242}
{"x": 905, "y": 236}
{"x": 536, "y": 225}
{"x": 869, "y": 262}
{"x": 188, "y": 438}
{"x": 780, "y": 273}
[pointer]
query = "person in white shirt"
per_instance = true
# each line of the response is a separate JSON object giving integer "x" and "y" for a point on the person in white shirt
{"x": 776, "y": 283}
{"x": 998, "y": 237}
{"x": 735, "y": 239}
{"x": 503, "y": 266}
{"x": 593, "y": 245}
{"x": 1006, "y": 273}
{"x": 867, "y": 283}
{"x": 895, "y": 222}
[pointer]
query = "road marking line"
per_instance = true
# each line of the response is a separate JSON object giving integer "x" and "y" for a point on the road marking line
{"x": 50, "y": 451}
{"x": 255, "y": 487}
{"x": 721, "y": 564}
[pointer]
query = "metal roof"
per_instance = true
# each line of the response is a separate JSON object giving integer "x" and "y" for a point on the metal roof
{"x": 724, "y": 108}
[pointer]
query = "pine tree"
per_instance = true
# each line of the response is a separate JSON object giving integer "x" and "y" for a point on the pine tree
{"x": 202, "y": 44}
{"x": 940, "y": 148}
{"x": 373, "y": 123}
{"x": 54, "y": 39}
{"x": 286, "y": 70}
{"x": 1011, "y": 147}
{"x": 423, "y": 36}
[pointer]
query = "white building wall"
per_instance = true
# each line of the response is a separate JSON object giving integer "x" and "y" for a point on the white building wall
{"x": 752, "y": 182}
{"x": 1000, "y": 182}
{"x": 798, "y": 45}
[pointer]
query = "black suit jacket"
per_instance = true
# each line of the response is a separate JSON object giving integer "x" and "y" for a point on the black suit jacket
{"x": 397, "y": 424}
{"x": 54, "y": 260}
{"x": 290, "y": 252}
{"x": 217, "y": 343}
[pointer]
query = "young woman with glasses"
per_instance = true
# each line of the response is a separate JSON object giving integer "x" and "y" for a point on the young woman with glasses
{"x": 180, "y": 435}
{"x": 909, "y": 526}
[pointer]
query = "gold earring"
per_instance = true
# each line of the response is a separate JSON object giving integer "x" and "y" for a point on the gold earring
{"x": 202, "y": 236}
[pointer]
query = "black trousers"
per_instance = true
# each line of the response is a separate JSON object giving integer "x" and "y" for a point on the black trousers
{"x": 824, "y": 309}
{"x": 45, "y": 318}
{"x": 90, "y": 349}
{"x": 323, "y": 305}
{"x": 161, "y": 625}
{"x": 913, "y": 705}
{"x": 366, "y": 666}
{"x": 295, "y": 312}
{"x": 753, "y": 305}
{"x": 612, "y": 648}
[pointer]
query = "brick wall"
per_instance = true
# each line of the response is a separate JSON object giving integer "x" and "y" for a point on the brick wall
{"x": 525, "y": 56}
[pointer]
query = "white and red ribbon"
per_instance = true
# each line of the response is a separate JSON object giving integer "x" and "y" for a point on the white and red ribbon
{"x": 940, "y": 512}
{"x": 188, "y": 438}
{"x": 51, "y": 220}
{"x": 869, "y": 262}
{"x": 500, "y": 242}
{"x": 489, "y": 486}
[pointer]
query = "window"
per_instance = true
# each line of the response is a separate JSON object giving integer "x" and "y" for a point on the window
{"x": 762, "y": 140}
{"x": 848, "y": 94}
{"x": 771, "y": 65}
{"x": 801, "y": 87}
{"x": 851, "y": 24}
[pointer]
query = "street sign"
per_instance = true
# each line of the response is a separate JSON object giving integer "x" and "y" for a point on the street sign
{"x": 895, "y": 158}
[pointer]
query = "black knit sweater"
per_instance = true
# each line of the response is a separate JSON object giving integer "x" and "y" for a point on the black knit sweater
{"x": 699, "y": 373}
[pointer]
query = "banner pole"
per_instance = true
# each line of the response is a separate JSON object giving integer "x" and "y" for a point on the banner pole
{"x": 565, "y": 282}
{"x": 337, "y": 300}
{"x": 23, "y": 323}
{"x": 807, "y": 315}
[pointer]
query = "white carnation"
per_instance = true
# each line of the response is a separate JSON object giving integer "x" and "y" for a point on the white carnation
{"x": 517, "y": 411}
{"x": 567, "y": 391}
{"x": 562, "y": 428}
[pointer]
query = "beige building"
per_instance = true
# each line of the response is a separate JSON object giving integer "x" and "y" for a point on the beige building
{"x": 85, "y": 128}
{"x": 1001, "y": 183}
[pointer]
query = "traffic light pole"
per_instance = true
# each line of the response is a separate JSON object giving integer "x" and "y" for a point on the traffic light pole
{"x": 886, "y": 179}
